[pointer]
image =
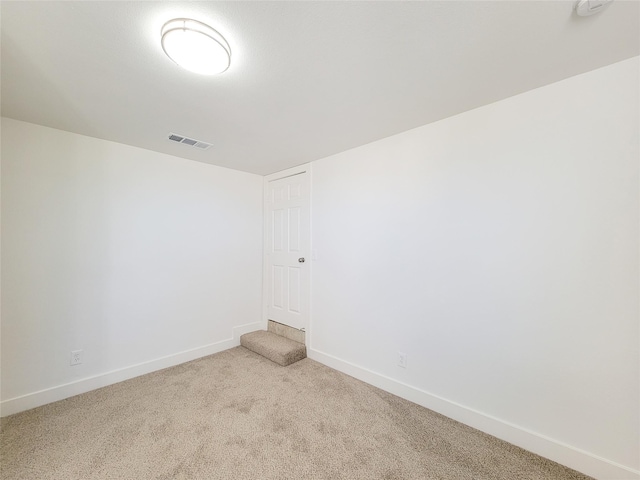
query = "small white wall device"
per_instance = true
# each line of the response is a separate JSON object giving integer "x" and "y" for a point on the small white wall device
{"x": 584, "y": 8}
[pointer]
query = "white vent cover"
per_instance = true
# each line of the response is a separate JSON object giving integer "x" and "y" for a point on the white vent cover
{"x": 189, "y": 141}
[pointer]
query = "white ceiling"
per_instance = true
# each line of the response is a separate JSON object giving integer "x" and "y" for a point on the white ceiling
{"x": 307, "y": 79}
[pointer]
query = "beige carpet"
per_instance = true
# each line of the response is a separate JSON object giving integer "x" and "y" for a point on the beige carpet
{"x": 283, "y": 351}
{"x": 236, "y": 415}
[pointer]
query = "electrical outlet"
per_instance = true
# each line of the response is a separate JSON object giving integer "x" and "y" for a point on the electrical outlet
{"x": 402, "y": 360}
{"x": 76, "y": 357}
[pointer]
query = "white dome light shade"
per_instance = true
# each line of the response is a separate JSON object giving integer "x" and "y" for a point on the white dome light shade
{"x": 195, "y": 46}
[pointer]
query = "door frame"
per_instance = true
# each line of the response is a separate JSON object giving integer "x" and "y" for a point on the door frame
{"x": 289, "y": 172}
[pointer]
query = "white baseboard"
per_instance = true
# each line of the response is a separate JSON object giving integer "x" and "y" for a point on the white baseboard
{"x": 60, "y": 392}
{"x": 562, "y": 453}
{"x": 246, "y": 328}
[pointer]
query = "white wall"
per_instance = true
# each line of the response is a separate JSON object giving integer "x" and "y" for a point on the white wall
{"x": 130, "y": 255}
{"x": 498, "y": 249}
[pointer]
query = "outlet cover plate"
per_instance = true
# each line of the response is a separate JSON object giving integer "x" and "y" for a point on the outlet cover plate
{"x": 402, "y": 360}
{"x": 76, "y": 357}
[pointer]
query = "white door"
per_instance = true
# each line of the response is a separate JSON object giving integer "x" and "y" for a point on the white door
{"x": 287, "y": 248}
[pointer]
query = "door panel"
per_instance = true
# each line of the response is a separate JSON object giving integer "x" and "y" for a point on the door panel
{"x": 278, "y": 230}
{"x": 294, "y": 229}
{"x": 288, "y": 238}
{"x": 277, "y": 300}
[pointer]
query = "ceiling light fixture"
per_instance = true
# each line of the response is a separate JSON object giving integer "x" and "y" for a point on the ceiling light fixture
{"x": 585, "y": 8}
{"x": 195, "y": 46}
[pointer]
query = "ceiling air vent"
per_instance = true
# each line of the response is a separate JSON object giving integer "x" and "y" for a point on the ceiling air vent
{"x": 189, "y": 141}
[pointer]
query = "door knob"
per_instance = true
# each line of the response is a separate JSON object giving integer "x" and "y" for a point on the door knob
{"x": 301, "y": 260}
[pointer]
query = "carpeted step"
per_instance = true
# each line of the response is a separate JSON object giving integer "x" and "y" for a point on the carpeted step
{"x": 274, "y": 347}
